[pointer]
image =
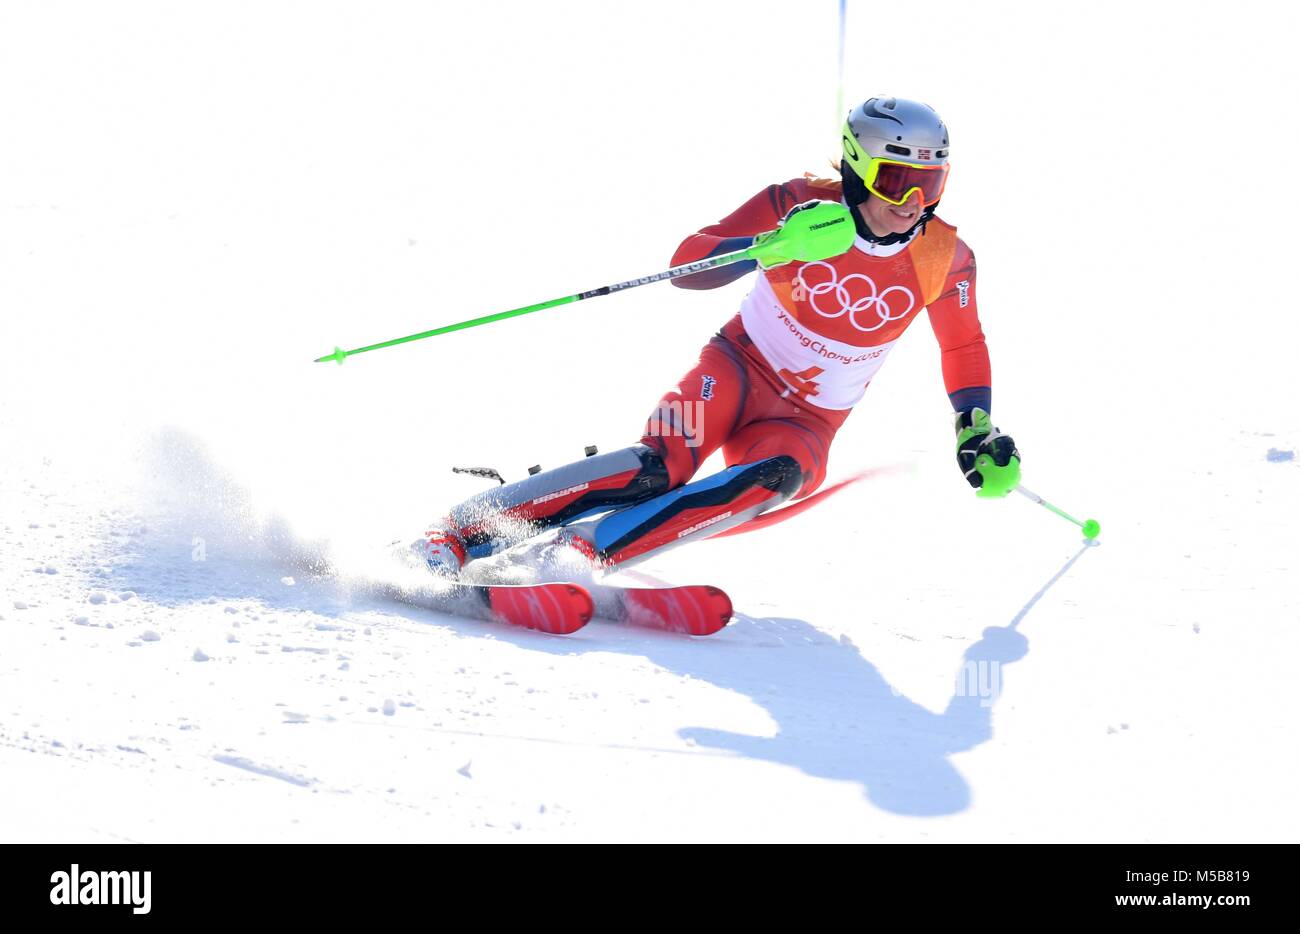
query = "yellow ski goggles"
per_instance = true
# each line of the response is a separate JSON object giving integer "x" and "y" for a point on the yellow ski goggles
{"x": 894, "y": 181}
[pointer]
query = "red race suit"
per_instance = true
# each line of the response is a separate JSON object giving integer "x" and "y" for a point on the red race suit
{"x": 784, "y": 373}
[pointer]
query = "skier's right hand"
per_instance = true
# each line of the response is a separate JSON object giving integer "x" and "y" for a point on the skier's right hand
{"x": 776, "y": 258}
{"x": 768, "y": 262}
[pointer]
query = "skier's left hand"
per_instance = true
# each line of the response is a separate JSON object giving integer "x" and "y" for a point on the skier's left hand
{"x": 987, "y": 457}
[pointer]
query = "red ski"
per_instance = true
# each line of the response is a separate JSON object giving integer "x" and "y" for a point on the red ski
{"x": 556, "y": 608}
{"x": 697, "y": 609}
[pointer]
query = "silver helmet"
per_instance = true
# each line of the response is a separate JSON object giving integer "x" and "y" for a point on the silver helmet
{"x": 894, "y": 128}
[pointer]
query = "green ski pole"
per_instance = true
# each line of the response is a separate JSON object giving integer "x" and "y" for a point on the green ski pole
{"x": 815, "y": 233}
{"x": 1091, "y": 527}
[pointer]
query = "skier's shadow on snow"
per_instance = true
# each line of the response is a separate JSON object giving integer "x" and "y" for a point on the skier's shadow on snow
{"x": 848, "y": 723}
{"x": 843, "y": 721}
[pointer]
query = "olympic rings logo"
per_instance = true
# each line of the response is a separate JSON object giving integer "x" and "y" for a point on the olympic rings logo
{"x": 873, "y": 301}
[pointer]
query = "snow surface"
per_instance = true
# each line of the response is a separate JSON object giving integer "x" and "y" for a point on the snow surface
{"x": 194, "y": 204}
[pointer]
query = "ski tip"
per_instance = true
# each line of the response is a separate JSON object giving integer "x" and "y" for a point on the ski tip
{"x": 581, "y": 599}
{"x": 722, "y": 610}
{"x": 694, "y": 610}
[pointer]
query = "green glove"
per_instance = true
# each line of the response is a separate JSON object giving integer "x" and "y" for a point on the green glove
{"x": 987, "y": 458}
{"x": 826, "y": 231}
{"x": 769, "y": 260}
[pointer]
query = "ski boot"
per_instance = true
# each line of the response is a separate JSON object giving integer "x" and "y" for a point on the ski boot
{"x": 442, "y": 552}
{"x": 551, "y": 555}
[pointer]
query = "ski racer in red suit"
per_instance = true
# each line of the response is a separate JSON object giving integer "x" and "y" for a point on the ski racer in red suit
{"x": 775, "y": 384}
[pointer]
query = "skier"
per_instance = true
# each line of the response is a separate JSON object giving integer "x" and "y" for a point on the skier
{"x": 775, "y": 384}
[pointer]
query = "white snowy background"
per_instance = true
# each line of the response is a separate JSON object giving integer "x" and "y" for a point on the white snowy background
{"x": 198, "y": 198}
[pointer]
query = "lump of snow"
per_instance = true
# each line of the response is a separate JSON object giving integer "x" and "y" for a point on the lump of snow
{"x": 389, "y": 708}
{"x": 464, "y": 769}
{"x": 125, "y": 595}
{"x": 287, "y": 581}
{"x": 199, "y": 656}
{"x": 1277, "y": 455}
{"x": 149, "y": 636}
{"x": 97, "y": 596}
{"x": 82, "y": 620}
{"x": 19, "y": 605}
